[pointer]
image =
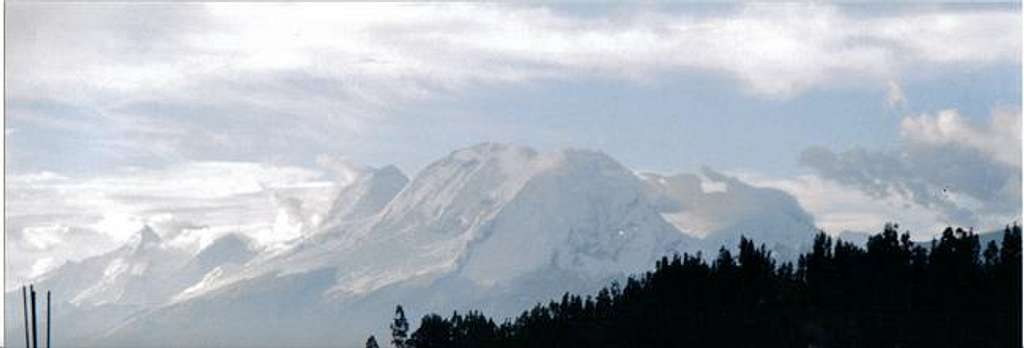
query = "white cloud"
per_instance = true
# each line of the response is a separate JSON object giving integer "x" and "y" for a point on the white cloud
{"x": 971, "y": 174}
{"x": 380, "y": 53}
{"x": 63, "y": 218}
{"x": 837, "y": 208}
{"x": 778, "y": 50}
{"x": 895, "y": 97}
{"x": 345, "y": 171}
{"x": 44, "y": 237}
{"x": 1000, "y": 139}
{"x": 172, "y": 82}
{"x": 948, "y": 172}
{"x": 40, "y": 177}
{"x": 941, "y": 36}
{"x": 41, "y": 266}
{"x": 183, "y": 81}
{"x": 118, "y": 224}
{"x": 36, "y": 246}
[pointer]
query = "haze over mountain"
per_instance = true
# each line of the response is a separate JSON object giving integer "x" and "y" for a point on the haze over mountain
{"x": 270, "y": 150}
{"x": 492, "y": 226}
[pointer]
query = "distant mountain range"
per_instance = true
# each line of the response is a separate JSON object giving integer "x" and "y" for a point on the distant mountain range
{"x": 493, "y": 227}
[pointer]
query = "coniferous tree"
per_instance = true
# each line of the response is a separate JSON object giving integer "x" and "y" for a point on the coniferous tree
{"x": 891, "y": 292}
{"x": 434, "y": 332}
{"x": 399, "y": 328}
{"x": 372, "y": 342}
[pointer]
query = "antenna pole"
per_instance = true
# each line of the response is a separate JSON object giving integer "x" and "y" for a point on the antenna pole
{"x": 47, "y": 318}
{"x": 35, "y": 335}
{"x": 24, "y": 307}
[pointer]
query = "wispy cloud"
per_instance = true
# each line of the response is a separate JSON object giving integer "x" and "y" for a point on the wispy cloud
{"x": 54, "y": 218}
{"x": 895, "y": 97}
{"x": 970, "y": 174}
{"x": 998, "y": 140}
{"x": 186, "y": 91}
{"x": 321, "y": 75}
{"x": 837, "y": 207}
{"x": 368, "y": 49}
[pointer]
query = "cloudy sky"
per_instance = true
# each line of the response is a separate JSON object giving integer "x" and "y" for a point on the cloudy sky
{"x": 200, "y": 119}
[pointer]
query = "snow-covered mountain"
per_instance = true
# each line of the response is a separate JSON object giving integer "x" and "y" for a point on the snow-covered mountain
{"x": 579, "y": 211}
{"x": 720, "y": 209}
{"x": 97, "y": 293}
{"x": 493, "y": 227}
{"x": 367, "y": 195}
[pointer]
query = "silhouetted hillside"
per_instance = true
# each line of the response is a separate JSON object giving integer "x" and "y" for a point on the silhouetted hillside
{"x": 893, "y": 293}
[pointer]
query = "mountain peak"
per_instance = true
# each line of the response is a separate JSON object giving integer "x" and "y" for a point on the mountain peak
{"x": 231, "y": 247}
{"x": 452, "y": 230}
{"x": 491, "y": 149}
{"x": 389, "y": 170}
{"x": 146, "y": 238}
{"x": 506, "y": 153}
{"x": 367, "y": 195}
{"x": 593, "y": 159}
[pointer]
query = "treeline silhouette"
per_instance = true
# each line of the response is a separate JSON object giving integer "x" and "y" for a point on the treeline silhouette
{"x": 953, "y": 292}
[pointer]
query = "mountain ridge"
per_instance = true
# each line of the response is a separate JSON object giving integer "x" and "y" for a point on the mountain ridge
{"x": 486, "y": 222}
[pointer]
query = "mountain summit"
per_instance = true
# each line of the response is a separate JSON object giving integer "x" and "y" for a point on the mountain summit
{"x": 491, "y": 226}
{"x": 367, "y": 195}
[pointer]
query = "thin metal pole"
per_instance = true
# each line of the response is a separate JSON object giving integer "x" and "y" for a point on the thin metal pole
{"x": 35, "y": 335}
{"x": 24, "y": 306}
{"x": 47, "y": 318}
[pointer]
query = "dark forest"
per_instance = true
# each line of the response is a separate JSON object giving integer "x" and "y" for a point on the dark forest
{"x": 893, "y": 292}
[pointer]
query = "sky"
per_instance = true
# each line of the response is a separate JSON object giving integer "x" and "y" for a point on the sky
{"x": 202, "y": 119}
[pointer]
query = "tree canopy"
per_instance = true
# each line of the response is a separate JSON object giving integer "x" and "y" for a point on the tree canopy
{"x": 891, "y": 293}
